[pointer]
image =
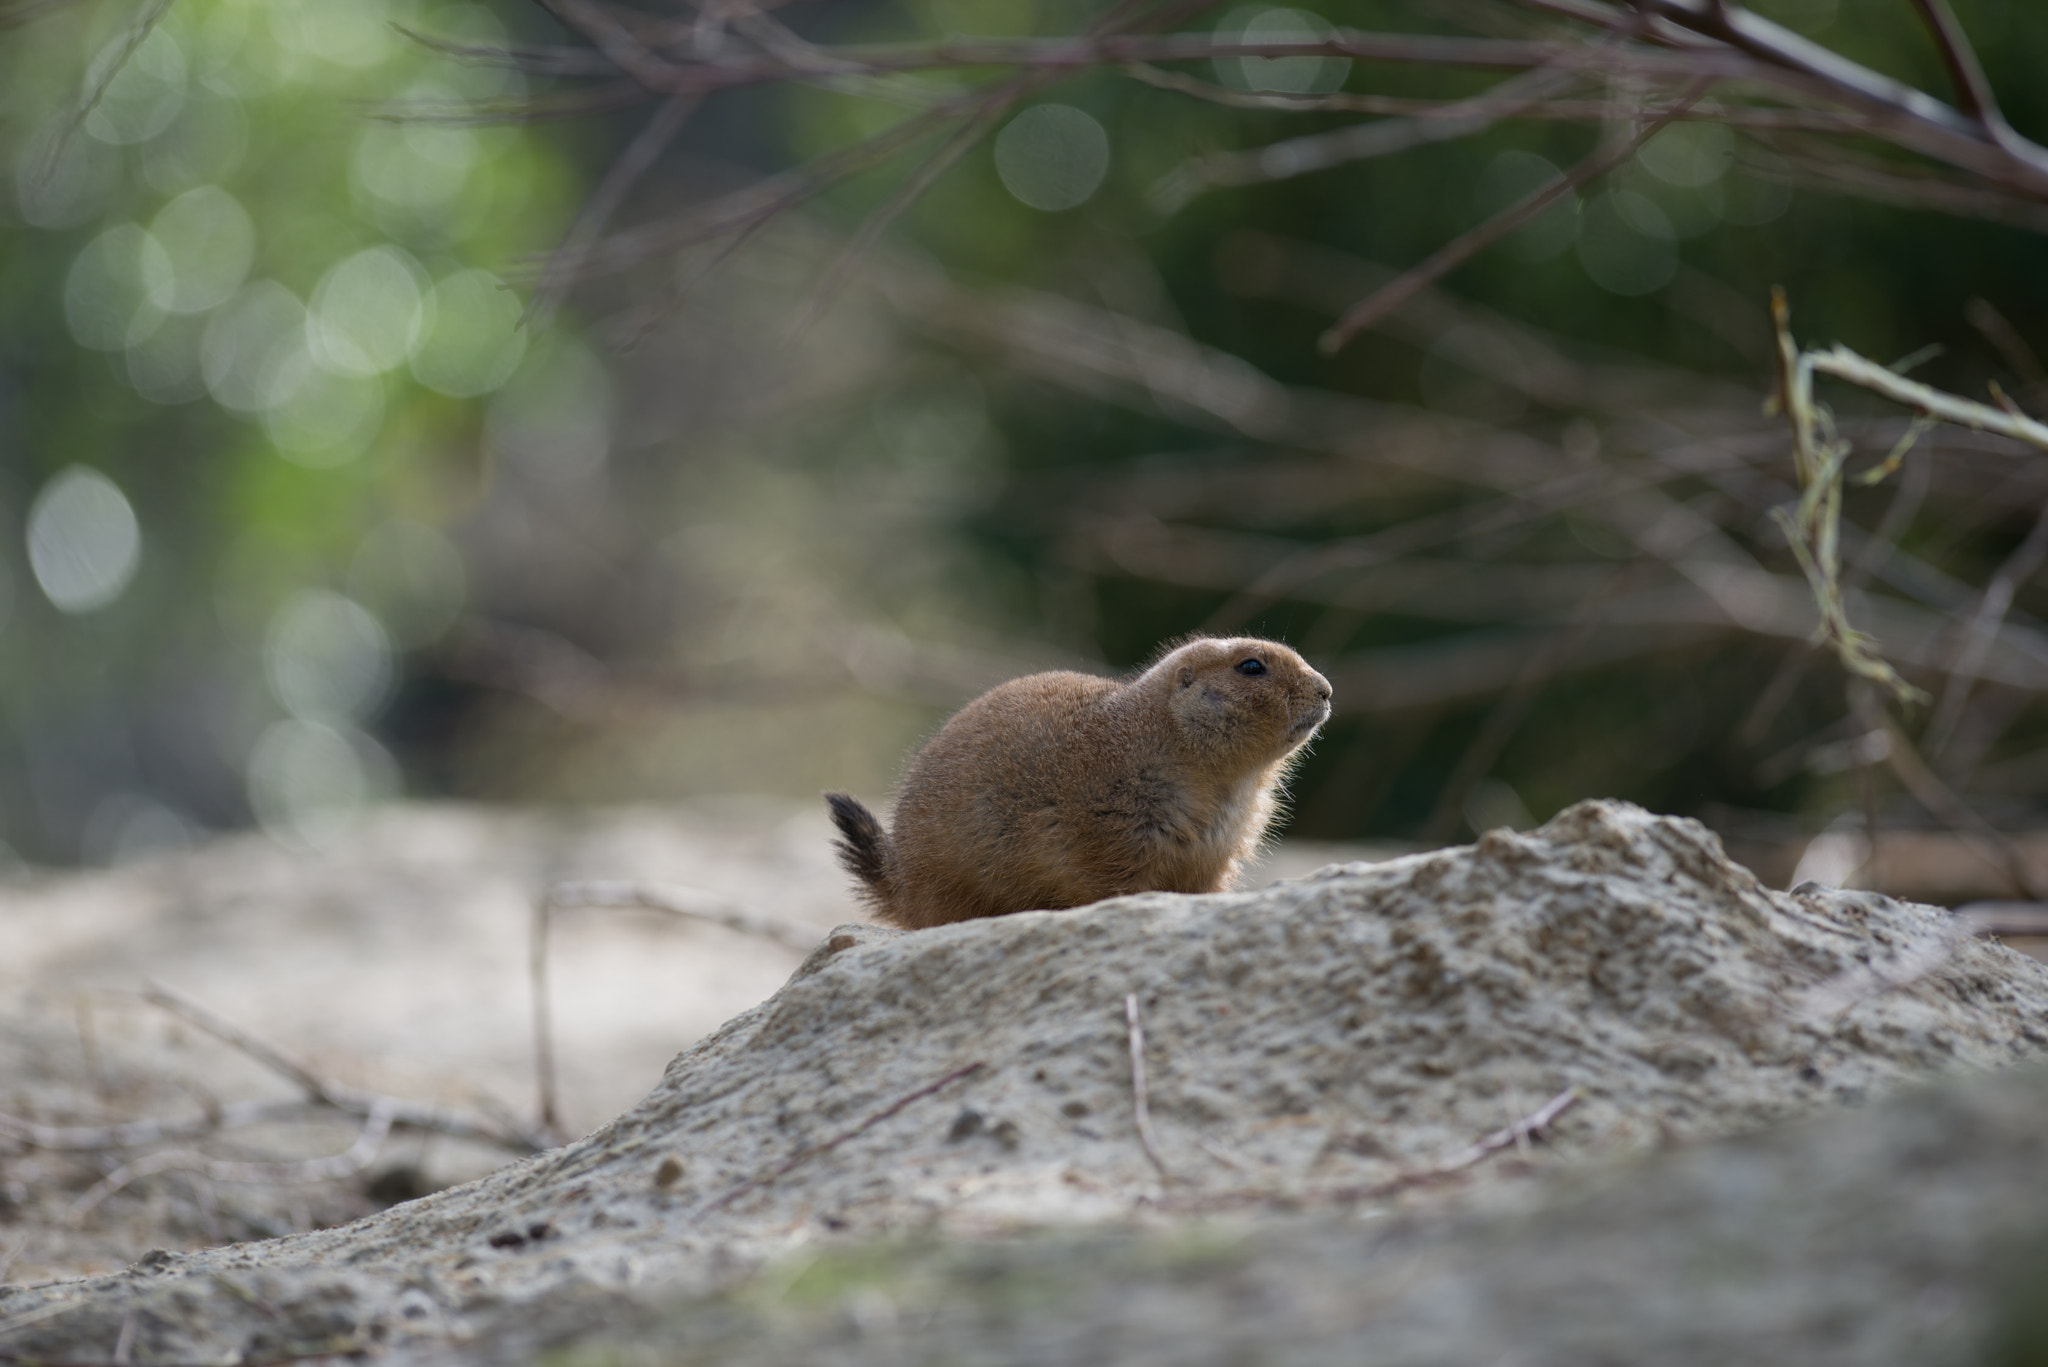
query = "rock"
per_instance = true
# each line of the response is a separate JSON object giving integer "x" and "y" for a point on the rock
{"x": 1334, "y": 1035}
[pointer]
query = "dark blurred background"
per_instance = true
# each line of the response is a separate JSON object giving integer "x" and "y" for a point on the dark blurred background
{"x": 305, "y": 507}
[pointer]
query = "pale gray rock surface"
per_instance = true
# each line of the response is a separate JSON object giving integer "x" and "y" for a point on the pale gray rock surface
{"x": 1335, "y": 1031}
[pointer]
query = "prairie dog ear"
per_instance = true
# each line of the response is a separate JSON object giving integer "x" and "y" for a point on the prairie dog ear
{"x": 1187, "y": 675}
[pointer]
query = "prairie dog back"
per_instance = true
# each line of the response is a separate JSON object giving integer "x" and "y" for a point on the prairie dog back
{"x": 1059, "y": 789}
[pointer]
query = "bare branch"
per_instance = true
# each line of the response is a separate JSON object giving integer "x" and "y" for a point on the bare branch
{"x": 641, "y": 153}
{"x": 687, "y": 903}
{"x": 352, "y": 1160}
{"x": 100, "y": 78}
{"x": 1996, "y": 847}
{"x": 1360, "y": 141}
{"x": 1462, "y": 248}
{"x": 333, "y": 1095}
{"x": 1965, "y": 72}
{"x": 1845, "y": 364}
{"x": 1983, "y": 629}
{"x": 1489, "y": 106}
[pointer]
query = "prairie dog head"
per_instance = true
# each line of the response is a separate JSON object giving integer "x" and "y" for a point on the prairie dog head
{"x": 1245, "y": 701}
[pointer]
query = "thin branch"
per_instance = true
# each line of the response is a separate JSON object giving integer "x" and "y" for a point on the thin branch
{"x": 1462, "y": 248}
{"x": 641, "y": 153}
{"x": 135, "y": 1134}
{"x": 686, "y": 903}
{"x": 369, "y": 1142}
{"x": 333, "y": 1095}
{"x": 1998, "y": 330}
{"x": 907, "y": 192}
{"x": 1487, "y": 106}
{"x": 192, "y": 1013}
{"x": 1513, "y": 706}
{"x": 805, "y": 1155}
{"x": 1744, "y": 47}
{"x": 683, "y": 903}
{"x": 1995, "y": 846}
{"x": 1845, "y": 364}
{"x": 1141, "y": 1106}
{"x": 1513, "y": 1135}
{"x": 1974, "y": 95}
{"x": 1898, "y": 112}
{"x": 1983, "y": 629}
{"x": 110, "y": 60}
{"x": 1359, "y": 141}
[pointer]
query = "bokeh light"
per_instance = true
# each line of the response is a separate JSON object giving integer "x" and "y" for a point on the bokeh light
{"x": 1052, "y": 156}
{"x": 308, "y": 780}
{"x": 110, "y": 297}
{"x": 83, "y": 540}
{"x": 1280, "y": 75}
{"x": 328, "y": 657}
{"x": 474, "y": 342}
{"x": 209, "y": 241}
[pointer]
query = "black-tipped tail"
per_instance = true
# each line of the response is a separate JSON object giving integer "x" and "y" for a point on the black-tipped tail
{"x": 863, "y": 845}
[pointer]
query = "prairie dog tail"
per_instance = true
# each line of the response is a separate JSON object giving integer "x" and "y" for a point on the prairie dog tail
{"x": 863, "y": 845}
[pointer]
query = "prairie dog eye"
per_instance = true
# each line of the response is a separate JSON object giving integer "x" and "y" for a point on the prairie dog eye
{"x": 1251, "y": 667}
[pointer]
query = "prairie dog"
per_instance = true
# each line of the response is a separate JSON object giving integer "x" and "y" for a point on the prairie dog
{"x": 1060, "y": 789}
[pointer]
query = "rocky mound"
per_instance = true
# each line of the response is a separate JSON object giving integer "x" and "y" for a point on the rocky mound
{"x": 1330, "y": 1038}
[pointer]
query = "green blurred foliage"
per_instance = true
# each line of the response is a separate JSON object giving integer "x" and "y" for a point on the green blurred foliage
{"x": 263, "y": 310}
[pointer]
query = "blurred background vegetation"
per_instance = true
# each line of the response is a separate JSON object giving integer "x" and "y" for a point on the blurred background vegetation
{"x": 324, "y": 482}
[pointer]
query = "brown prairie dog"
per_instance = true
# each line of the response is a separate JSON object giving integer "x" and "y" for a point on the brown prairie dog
{"x": 1056, "y": 790}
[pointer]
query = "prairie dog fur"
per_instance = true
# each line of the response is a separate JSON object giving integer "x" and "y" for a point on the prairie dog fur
{"x": 1060, "y": 789}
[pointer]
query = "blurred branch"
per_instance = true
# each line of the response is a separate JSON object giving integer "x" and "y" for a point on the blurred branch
{"x": 1983, "y": 630}
{"x": 625, "y": 171}
{"x": 1940, "y": 800}
{"x": 1464, "y": 247}
{"x": 1680, "y": 47}
{"x": 99, "y": 77}
{"x": 1491, "y": 107}
{"x": 1358, "y": 141}
{"x": 328, "y": 1093}
{"x": 1507, "y": 714}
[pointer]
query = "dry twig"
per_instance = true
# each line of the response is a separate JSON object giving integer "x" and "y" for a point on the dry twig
{"x": 684, "y": 903}
{"x": 335, "y": 1096}
{"x": 369, "y": 1142}
{"x": 1469, "y": 244}
{"x": 805, "y": 1155}
{"x": 1516, "y": 1133}
{"x": 1141, "y": 1106}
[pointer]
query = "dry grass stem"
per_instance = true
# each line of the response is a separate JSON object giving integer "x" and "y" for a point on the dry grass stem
{"x": 805, "y": 1155}
{"x": 1141, "y": 1105}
